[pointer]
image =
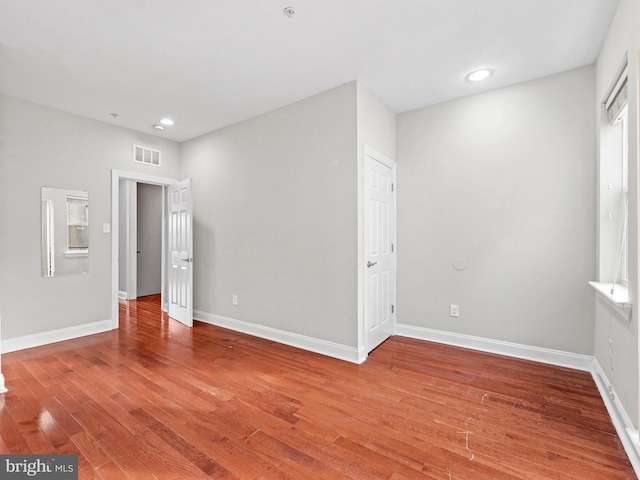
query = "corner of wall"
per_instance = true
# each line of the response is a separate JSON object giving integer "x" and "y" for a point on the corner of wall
{"x": 375, "y": 128}
{"x": 625, "y": 429}
{"x": 621, "y": 45}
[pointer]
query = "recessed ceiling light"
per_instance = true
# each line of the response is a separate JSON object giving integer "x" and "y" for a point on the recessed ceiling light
{"x": 166, "y": 121}
{"x": 158, "y": 127}
{"x": 479, "y": 75}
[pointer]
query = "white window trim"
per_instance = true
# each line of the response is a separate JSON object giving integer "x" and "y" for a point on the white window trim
{"x": 76, "y": 252}
{"x": 616, "y": 295}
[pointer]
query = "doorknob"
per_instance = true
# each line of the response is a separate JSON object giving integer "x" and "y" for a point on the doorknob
{"x": 369, "y": 264}
{"x": 187, "y": 259}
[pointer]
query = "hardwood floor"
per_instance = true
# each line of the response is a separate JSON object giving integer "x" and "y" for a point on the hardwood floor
{"x": 155, "y": 399}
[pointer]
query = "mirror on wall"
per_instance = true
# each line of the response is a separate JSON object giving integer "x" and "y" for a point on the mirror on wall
{"x": 65, "y": 232}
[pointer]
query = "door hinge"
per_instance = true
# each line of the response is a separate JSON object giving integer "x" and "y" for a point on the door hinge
{"x": 392, "y": 248}
{"x": 392, "y": 186}
{"x": 393, "y": 308}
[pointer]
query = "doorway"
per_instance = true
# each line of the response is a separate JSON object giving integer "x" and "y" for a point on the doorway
{"x": 116, "y": 181}
{"x": 140, "y": 239}
{"x": 380, "y": 246}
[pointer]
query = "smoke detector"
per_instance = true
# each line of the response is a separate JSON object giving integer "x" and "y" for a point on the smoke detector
{"x": 289, "y": 11}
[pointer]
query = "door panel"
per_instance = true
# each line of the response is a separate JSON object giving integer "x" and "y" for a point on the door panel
{"x": 181, "y": 253}
{"x": 379, "y": 255}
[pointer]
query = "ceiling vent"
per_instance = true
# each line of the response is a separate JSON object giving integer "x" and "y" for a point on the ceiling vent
{"x": 148, "y": 156}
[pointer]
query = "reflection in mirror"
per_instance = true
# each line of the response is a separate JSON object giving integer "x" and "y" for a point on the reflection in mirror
{"x": 65, "y": 231}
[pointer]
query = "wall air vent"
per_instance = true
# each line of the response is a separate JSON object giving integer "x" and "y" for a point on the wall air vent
{"x": 148, "y": 156}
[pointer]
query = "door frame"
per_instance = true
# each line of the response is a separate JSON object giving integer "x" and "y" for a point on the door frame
{"x": 131, "y": 194}
{"x": 362, "y": 261}
{"x": 116, "y": 176}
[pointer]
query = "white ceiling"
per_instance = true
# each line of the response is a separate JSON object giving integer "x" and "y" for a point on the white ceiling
{"x": 211, "y": 63}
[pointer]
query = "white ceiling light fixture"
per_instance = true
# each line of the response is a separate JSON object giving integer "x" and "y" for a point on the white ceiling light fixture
{"x": 158, "y": 127}
{"x": 479, "y": 75}
{"x": 166, "y": 121}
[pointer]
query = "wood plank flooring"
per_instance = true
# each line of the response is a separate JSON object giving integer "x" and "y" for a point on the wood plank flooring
{"x": 156, "y": 400}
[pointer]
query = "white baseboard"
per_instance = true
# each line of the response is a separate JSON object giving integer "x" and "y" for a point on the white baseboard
{"x": 122, "y": 295}
{"x": 624, "y": 427}
{"x": 323, "y": 347}
{"x": 53, "y": 336}
{"x": 2, "y": 387}
{"x": 508, "y": 349}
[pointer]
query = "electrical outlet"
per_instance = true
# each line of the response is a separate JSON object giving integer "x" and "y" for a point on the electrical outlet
{"x": 454, "y": 310}
{"x": 234, "y": 299}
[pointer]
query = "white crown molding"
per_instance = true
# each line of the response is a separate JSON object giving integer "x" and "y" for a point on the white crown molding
{"x": 330, "y": 349}
{"x": 53, "y": 336}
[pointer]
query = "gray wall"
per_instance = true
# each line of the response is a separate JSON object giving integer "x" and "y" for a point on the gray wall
{"x": 619, "y": 359}
{"x": 376, "y": 124}
{"x": 149, "y": 271}
{"x": 506, "y": 181}
{"x": 275, "y": 218}
{"x": 39, "y": 147}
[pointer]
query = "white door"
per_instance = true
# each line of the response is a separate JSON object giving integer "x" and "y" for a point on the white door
{"x": 379, "y": 248}
{"x": 181, "y": 253}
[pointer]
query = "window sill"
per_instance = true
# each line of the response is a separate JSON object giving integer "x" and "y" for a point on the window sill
{"x": 619, "y": 300}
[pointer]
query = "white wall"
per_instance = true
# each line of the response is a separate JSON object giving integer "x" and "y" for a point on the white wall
{"x": 506, "y": 181}
{"x": 376, "y": 124}
{"x": 620, "y": 362}
{"x": 275, "y": 218}
{"x": 39, "y": 147}
{"x": 376, "y": 127}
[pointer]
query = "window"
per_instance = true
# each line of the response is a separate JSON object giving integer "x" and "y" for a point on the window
{"x": 624, "y": 220}
{"x": 615, "y": 136}
{"x": 613, "y": 241}
{"x": 77, "y": 225}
